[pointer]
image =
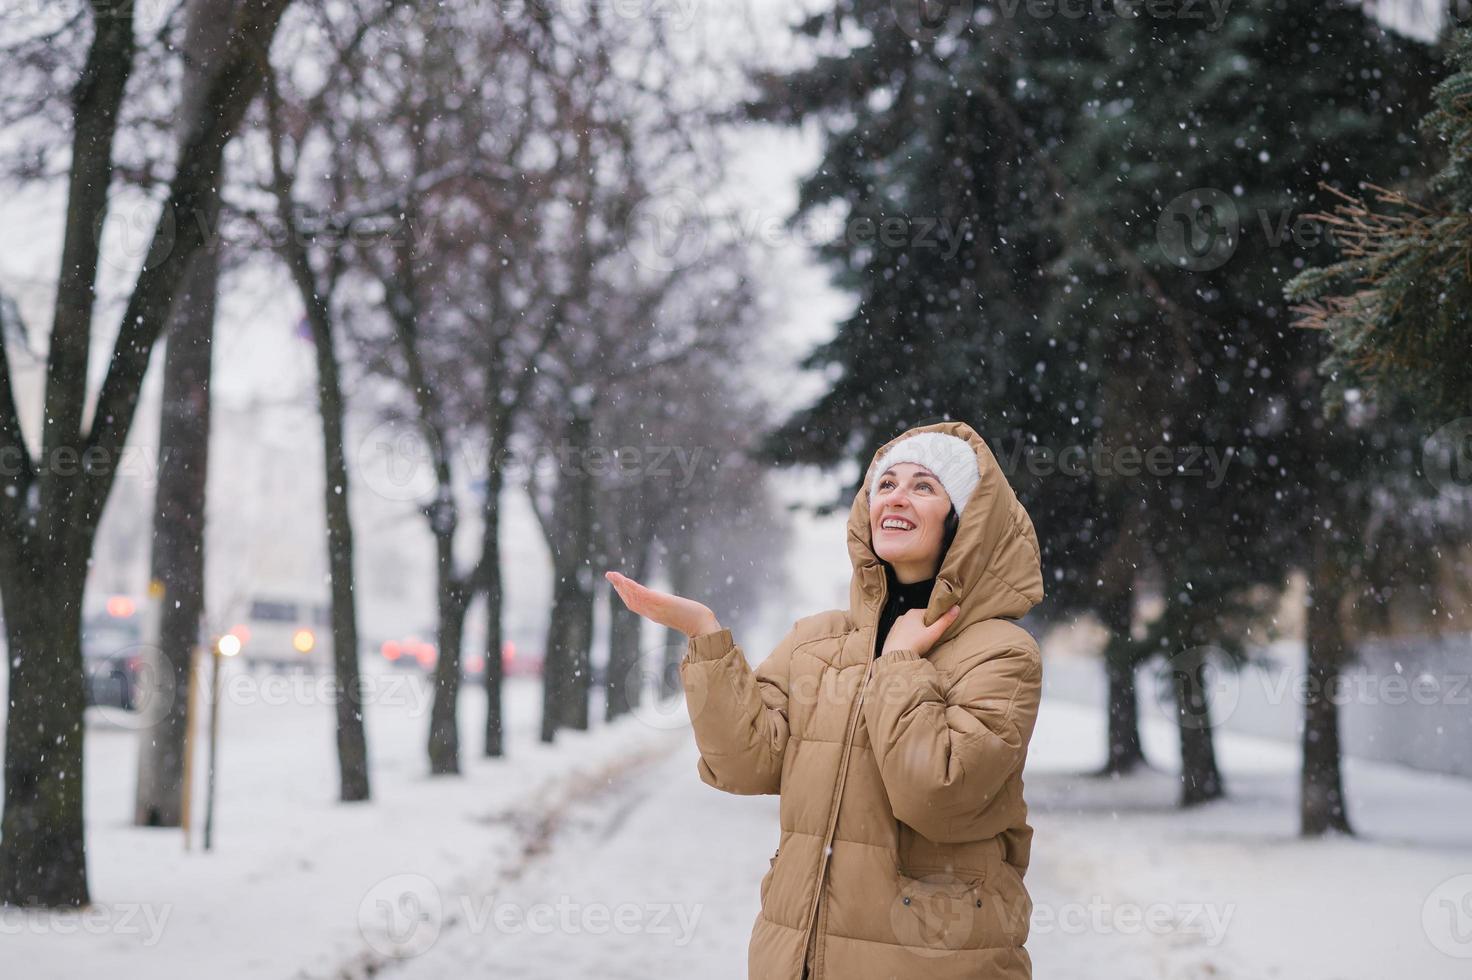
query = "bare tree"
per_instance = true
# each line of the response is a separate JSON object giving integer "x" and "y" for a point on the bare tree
{"x": 50, "y": 504}
{"x": 178, "y": 560}
{"x": 446, "y": 154}
{"x": 316, "y": 282}
{"x": 693, "y": 498}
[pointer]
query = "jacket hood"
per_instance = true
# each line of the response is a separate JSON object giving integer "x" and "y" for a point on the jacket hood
{"x": 993, "y": 567}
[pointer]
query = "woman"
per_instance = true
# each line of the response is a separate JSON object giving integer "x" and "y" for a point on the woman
{"x": 895, "y": 730}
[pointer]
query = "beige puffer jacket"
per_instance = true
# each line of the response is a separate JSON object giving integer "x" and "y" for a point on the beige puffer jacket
{"x": 900, "y": 777}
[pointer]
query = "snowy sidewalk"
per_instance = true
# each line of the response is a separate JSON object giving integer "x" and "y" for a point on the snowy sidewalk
{"x": 658, "y": 878}
{"x": 293, "y": 885}
{"x": 603, "y": 855}
{"x": 654, "y": 878}
{"x": 1241, "y": 895}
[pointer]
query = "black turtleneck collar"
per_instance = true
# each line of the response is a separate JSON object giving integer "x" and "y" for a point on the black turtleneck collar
{"x": 901, "y": 599}
{"x": 912, "y": 596}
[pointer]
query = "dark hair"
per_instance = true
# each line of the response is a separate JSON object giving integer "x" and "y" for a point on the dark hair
{"x": 948, "y": 534}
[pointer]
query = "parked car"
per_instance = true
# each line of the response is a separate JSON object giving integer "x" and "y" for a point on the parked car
{"x": 410, "y": 652}
{"x": 115, "y": 680}
{"x": 112, "y": 656}
{"x": 415, "y": 653}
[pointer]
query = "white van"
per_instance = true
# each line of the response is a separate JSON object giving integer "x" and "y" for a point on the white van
{"x": 281, "y": 633}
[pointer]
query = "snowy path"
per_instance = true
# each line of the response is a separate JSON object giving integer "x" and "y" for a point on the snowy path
{"x": 658, "y": 877}
{"x": 603, "y": 855}
{"x": 651, "y": 879}
{"x": 292, "y": 887}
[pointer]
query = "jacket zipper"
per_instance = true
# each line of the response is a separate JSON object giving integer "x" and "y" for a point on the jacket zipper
{"x": 848, "y": 744}
{"x": 833, "y": 816}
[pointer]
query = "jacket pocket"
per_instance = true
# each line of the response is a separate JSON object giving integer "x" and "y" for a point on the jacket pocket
{"x": 938, "y": 912}
{"x": 767, "y": 878}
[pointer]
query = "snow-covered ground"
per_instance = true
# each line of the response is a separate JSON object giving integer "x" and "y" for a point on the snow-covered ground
{"x": 281, "y": 893}
{"x": 603, "y": 855}
{"x": 1124, "y": 884}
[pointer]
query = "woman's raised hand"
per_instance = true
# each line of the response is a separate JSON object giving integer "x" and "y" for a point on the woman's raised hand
{"x": 678, "y": 613}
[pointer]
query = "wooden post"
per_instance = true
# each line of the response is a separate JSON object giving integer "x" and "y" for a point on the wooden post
{"x": 209, "y": 800}
{"x": 190, "y": 714}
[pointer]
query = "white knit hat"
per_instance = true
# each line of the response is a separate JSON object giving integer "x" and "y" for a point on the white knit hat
{"x": 950, "y": 458}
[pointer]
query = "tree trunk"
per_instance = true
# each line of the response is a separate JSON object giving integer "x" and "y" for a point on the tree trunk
{"x": 43, "y": 861}
{"x": 352, "y": 746}
{"x": 495, "y": 745}
{"x": 554, "y": 679}
{"x": 628, "y": 548}
{"x": 1322, "y": 806}
{"x": 43, "y": 566}
{"x": 178, "y": 560}
{"x": 48, "y": 539}
{"x": 576, "y": 575}
{"x": 1200, "y": 779}
{"x": 624, "y": 683}
{"x": 569, "y": 532}
{"x": 578, "y": 651}
{"x": 178, "y": 543}
{"x": 675, "y": 643}
{"x": 444, "y": 732}
{"x": 569, "y": 630}
{"x": 452, "y": 593}
{"x": 1125, "y": 751}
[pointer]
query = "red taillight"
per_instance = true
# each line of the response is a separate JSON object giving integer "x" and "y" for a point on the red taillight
{"x": 475, "y": 663}
{"x": 392, "y": 651}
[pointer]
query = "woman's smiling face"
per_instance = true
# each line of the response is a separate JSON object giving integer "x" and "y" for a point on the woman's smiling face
{"x": 914, "y": 505}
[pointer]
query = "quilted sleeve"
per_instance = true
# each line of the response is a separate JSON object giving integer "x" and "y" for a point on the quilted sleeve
{"x": 739, "y": 714}
{"x": 945, "y": 754}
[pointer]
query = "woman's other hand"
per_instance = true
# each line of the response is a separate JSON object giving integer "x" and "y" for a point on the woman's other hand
{"x": 909, "y": 632}
{"x": 678, "y": 613}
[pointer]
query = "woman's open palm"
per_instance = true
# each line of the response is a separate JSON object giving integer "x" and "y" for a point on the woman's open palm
{"x": 678, "y": 613}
